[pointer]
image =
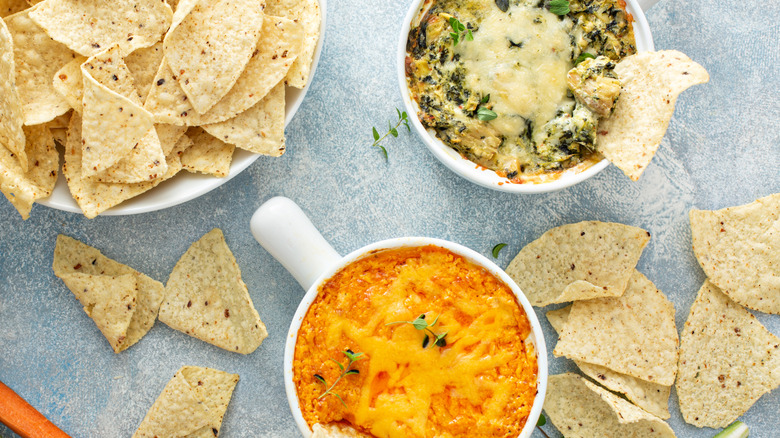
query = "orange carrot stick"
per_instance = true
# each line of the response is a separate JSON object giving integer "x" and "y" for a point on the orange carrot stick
{"x": 23, "y": 419}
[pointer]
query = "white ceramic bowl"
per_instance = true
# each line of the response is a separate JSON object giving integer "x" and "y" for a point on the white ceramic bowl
{"x": 485, "y": 177}
{"x": 186, "y": 186}
{"x": 284, "y": 230}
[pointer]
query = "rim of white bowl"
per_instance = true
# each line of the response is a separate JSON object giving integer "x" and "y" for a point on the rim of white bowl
{"x": 468, "y": 169}
{"x": 187, "y": 186}
{"x": 536, "y": 336}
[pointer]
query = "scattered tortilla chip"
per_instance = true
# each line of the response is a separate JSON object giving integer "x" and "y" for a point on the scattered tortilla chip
{"x": 739, "y": 250}
{"x": 633, "y": 334}
{"x": 207, "y": 155}
{"x": 277, "y": 48}
{"x": 728, "y": 360}
{"x": 651, "y": 397}
{"x": 95, "y": 197}
{"x": 336, "y": 430}
{"x": 208, "y": 46}
{"x": 651, "y": 83}
{"x": 90, "y": 26}
{"x": 24, "y": 188}
{"x": 260, "y": 129}
{"x": 10, "y": 7}
{"x": 206, "y": 298}
{"x": 69, "y": 83}
{"x": 580, "y": 409}
{"x": 143, "y": 64}
{"x": 109, "y": 300}
{"x": 37, "y": 58}
{"x": 11, "y": 133}
{"x": 306, "y": 12}
{"x": 578, "y": 262}
{"x": 192, "y": 404}
{"x": 72, "y": 257}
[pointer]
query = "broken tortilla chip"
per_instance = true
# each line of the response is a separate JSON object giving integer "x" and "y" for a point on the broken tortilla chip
{"x": 306, "y": 12}
{"x": 207, "y": 155}
{"x": 651, "y": 397}
{"x": 578, "y": 408}
{"x": 143, "y": 64}
{"x": 651, "y": 82}
{"x": 206, "y": 298}
{"x": 633, "y": 334}
{"x": 12, "y": 119}
{"x": 69, "y": 83}
{"x": 739, "y": 250}
{"x": 24, "y": 188}
{"x": 728, "y": 360}
{"x": 578, "y": 261}
{"x": 192, "y": 404}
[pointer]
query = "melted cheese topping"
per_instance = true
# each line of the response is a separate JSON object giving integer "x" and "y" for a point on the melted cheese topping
{"x": 482, "y": 384}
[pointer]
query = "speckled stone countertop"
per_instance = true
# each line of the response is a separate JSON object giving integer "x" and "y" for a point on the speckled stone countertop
{"x": 722, "y": 149}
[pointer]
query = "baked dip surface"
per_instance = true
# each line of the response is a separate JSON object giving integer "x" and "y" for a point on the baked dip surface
{"x": 503, "y": 92}
{"x": 479, "y": 382}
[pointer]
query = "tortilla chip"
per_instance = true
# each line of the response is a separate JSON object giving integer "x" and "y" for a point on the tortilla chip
{"x": 90, "y": 26}
{"x": 146, "y": 162}
{"x": 109, "y": 300}
{"x": 209, "y": 44}
{"x": 651, "y": 397}
{"x": 95, "y": 197}
{"x": 69, "y": 83}
{"x": 58, "y": 122}
{"x": 208, "y": 155}
{"x": 24, "y": 188}
{"x": 739, "y": 250}
{"x": 169, "y": 135}
{"x": 114, "y": 121}
{"x": 11, "y": 133}
{"x": 73, "y": 257}
{"x": 179, "y": 148}
{"x": 578, "y": 408}
{"x": 651, "y": 83}
{"x": 633, "y": 334}
{"x": 60, "y": 135}
{"x": 578, "y": 262}
{"x": 277, "y": 48}
{"x": 306, "y": 12}
{"x": 336, "y": 430}
{"x": 192, "y": 404}
{"x": 728, "y": 360}
{"x": 206, "y": 298}
{"x": 37, "y": 58}
{"x": 10, "y": 7}
{"x": 143, "y": 64}
{"x": 259, "y": 129}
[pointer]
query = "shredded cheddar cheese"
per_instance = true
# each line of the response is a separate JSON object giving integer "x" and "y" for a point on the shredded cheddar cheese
{"x": 481, "y": 384}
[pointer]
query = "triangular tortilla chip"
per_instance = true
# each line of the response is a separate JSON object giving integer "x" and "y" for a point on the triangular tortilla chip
{"x": 206, "y": 298}
{"x": 37, "y": 58}
{"x": 69, "y": 83}
{"x": 179, "y": 148}
{"x": 12, "y": 119}
{"x": 10, "y": 7}
{"x": 651, "y": 82}
{"x": 143, "y": 64}
{"x": 739, "y": 250}
{"x": 578, "y": 408}
{"x": 207, "y": 155}
{"x": 146, "y": 162}
{"x": 651, "y": 397}
{"x": 73, "y": 257}
{"x": 24, "y": 188}
{"x": 578, "y": 261}
{"x": 306, "y": 12}
{"x": 728, "y": 360}
{"x": 633, "y": 334}
{"x": 259, "y": 129}
{"x": 169, "y": 135}
{"x": 91, "y": 26}
{"x": 209, "y": 44}
{"x": 277, "y": 48}
{"x": 192, "y": 404}
{"x": 109, "y": 300}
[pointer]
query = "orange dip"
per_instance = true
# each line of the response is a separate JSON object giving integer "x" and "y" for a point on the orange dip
{"x": 481, "y": 384}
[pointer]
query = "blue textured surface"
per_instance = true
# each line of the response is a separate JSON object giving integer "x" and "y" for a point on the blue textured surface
{"x": 722, "y": 149}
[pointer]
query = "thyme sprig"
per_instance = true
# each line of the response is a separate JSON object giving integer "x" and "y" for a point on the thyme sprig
{"x": 403, "y": 119}
{"x": 345, "y": 371}
{"x": 541, "y": 422}
{"x": 497, "y": 249}
{"x": 461, "y": 32}
{"x": 440, "y": 340}
{"x": 485, "y": 114}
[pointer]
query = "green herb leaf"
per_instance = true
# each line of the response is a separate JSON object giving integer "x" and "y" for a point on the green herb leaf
{"x": 351, "y": 372}
{"x": 583, "y": 56}
{"x": 497, "y": 249}
{"x": 542, "y": 421}
{"x": 341, "y": 367}
{"x": 320, "y": 378}
{"x": 559, "y": 7}
{"x": 485, "y": 114}
{"x": 485, "y": 99}
{"x": 469, "y": 36}
{"x": 384, "y": 151}
{"x": 340, "y": 399}
{"x": 425, "y": 342}
{"x": 434, "y": 321}
{"x": 353, "y": 357}
{"x": 440, "y": 340}
{"x": 376, "y": 134}
{"x": 394, "y": 132}
{"x": 420, "y": 323}
{"x": 736, "y": 429}
{"x": 399, "y": 112}
{"x": 455, "y": 38}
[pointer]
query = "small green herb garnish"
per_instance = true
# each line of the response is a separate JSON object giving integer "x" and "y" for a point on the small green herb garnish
{"x": 497, "y": 249}
{"x": 485, "y": 99}
{"x": 460, "y": 32}
{"x": 583, "y": 56}
{"x": 736, "y": 429}
{"x": 345, "y": 371}
{"x": 485, "y": 114}
{"x": 403, "y": 119}
{"x": 559, "y": 7}
{"x": 420, "y": 323}
{"x": 542, "y": 421}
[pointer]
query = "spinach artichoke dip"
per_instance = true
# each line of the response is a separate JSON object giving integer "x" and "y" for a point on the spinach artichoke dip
{"x": 518, "y": 86}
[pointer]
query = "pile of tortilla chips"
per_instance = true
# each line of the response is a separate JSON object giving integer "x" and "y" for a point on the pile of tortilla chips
{"x": 120, "y": 84}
